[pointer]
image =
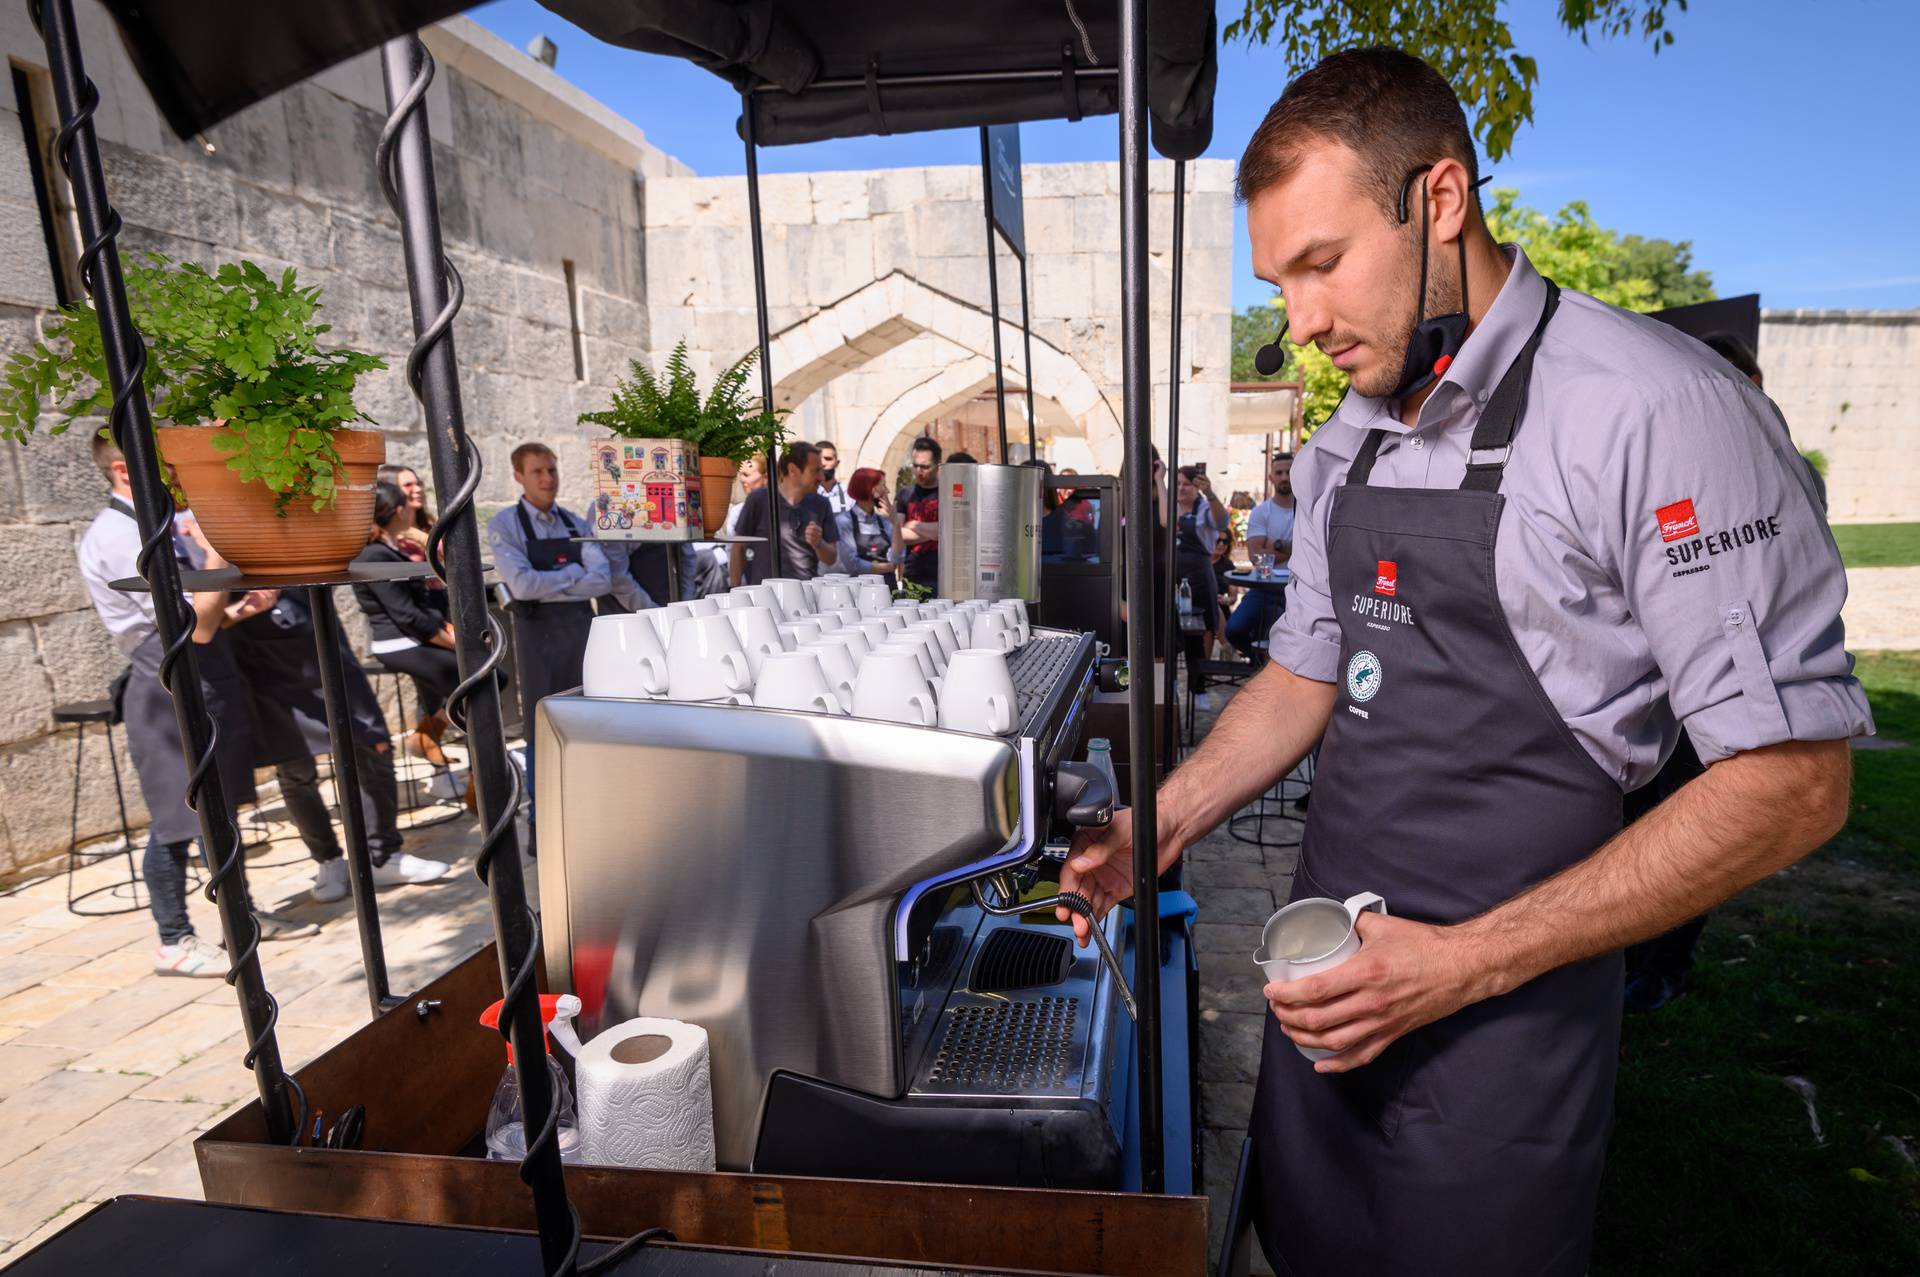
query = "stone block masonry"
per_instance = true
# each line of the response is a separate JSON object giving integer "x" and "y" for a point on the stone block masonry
{"x": 534, "y": 178}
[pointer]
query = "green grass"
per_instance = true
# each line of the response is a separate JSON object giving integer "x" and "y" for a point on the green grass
{"x": 1878, "y": 545}
{"x": 1813, "y": 974}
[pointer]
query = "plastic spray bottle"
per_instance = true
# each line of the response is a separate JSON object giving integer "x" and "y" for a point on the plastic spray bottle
{"x": 506, "y": 1120}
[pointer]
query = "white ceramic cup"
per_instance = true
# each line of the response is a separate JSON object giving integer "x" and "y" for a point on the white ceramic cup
{"x": 917, "y": 646}
{"x": 663, "y": 619}
{"x": 761, "y": 597}
{"x": 905, "y": 611}
{"x": 624, "y": 658}
{"x": 947, "y": 632}
{"x": 875, "y": 629}
{"x": 832, "y": 594}
{"x": 891, "y": 686}
{"x": 758, "y": 632}
{"x": 935, "y": 606}
{"x": 795, "y": 680}
{"x": 1312, "y": 935}
{"x": 962, "y": 623}
{"x": 1015, "y": 610}
{"x": 827, "y": 621}
{"x": 857, "y": 643}
{"x": 978, "y": 693}
{"x": 936, "y": 645}
{"x": 838, "y": 666}
{"x": 705, "y": 661}
{"x": 850, "y": 615}
{"x": 794, "y": 633}
{"x": 873, "y": 593}
{"x": 893, "y": 620}
{"x": 990, "y": 629}
{"x": 728, "y": 602}
{"x": 792, "y": 594}
{"x": 704, "y": 606}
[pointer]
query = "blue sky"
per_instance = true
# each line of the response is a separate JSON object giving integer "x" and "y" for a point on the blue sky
{"x": 1773, "y": 134}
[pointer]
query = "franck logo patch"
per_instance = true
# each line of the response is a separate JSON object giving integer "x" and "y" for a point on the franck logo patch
{"x": 1677, "y": 521}
{"x": 1363, "y": 676}
{"x": 1386, "y": 580}
{"x": 956, "y": 491}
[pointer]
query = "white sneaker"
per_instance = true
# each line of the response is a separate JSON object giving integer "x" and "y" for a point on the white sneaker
{"x": 330, "y": 881}
{"x": 192, "y": 957}
{"x": 404, "y": 870}
{"x": 1202, "y": 703}
{"x": 447, "y": 786}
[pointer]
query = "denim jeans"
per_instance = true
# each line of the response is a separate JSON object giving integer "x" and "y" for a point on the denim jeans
{"x": 379, "y": 805}
{"x": 1252, "y": 620}
{"x": 164, "y": 868}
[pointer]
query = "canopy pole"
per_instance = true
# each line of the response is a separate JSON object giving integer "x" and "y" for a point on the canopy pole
{"x": 1137, "y": 415}
{"x": 1026, "y": 337}
{"x": 404, "y": 160}
{"x": 132, "y": 425}
{"x": 993, "y": 288}
{"x": 1170, "y": 712}
{"x": 748, "y": 133}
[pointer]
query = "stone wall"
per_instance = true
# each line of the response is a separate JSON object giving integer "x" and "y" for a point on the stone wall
{"x": 878, "y": 291}
{"x": 1848, "y": 382}
{"x": 532, "y": 175}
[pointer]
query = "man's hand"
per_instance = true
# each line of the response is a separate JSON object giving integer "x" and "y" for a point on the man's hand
{"x": 1100, "y": 866}
{"x": 812, "y": 535}
{"x": 252, "y": 603}
{"x": 1407, "y": 974}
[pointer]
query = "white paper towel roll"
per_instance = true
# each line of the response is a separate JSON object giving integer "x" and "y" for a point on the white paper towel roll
{"x": 646, "y": 1098}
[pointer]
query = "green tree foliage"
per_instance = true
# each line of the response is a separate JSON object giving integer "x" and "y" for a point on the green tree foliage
{"x": 233, "y": 346}
{"x": 1570, "y": 247}
{"x": 1579, "y": 253}
{"x": 1465, "y": 40}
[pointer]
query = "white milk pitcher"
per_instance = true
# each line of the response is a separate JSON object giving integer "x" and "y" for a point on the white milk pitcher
{"x": 1310, "y": 936}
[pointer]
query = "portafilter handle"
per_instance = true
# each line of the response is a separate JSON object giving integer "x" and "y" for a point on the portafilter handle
{"x": 1072, "y": 900}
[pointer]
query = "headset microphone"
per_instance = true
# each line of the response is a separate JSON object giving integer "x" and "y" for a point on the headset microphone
{"x": 1272, "y": 357}
{"x": 1436, "y": 340}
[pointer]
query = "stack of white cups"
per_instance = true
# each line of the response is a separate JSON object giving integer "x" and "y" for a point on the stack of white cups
{"x": 833, "y": 646}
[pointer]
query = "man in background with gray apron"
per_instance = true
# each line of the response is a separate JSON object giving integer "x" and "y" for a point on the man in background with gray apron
{"x": 553, "y": 576}
{"x": 1538, "y": 537}
{"x": 109, "y": 551}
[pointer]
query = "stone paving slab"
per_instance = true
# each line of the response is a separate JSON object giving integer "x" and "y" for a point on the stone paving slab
{"x": 120, "y": 1069}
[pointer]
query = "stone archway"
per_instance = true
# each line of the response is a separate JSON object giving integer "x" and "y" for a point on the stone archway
{"x": 874, "y": 319}
{"x": 945, "y": 392}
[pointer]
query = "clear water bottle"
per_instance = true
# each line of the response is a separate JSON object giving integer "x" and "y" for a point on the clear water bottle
{"x": 1183, "y": 604}
{"x": 506, "y": 1129}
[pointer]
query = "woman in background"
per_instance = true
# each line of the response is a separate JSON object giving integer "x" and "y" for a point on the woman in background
{"x": 411, "y": 633}
{"x": 866, "y": 525}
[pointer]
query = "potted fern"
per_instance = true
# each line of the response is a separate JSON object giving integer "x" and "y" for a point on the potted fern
{"x": 724, "y": 427}
{"x": 261, "y": 443}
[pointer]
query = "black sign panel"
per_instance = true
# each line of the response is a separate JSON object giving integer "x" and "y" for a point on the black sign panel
{"x": 1001, "y": 147}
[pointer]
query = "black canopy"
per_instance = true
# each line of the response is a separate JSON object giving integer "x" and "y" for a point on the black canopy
{"x": 820, "y": 68}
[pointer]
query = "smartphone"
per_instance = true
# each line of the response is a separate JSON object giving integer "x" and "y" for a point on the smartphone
{"x": 1199, "y": 467}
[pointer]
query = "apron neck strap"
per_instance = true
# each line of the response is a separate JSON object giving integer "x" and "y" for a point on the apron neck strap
{"x": 1493, "y": 434}
{"x": 526, "y": 524}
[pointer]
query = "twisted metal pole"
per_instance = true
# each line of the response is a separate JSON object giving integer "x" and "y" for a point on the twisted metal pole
{"x": 131, "y": 422}
{"x": 405, "y": 162}
{"x": 1170, "y": 712}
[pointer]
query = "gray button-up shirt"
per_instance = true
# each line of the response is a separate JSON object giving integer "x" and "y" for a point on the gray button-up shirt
{"x": 1661, "y": 558}
{"x": 600, "y": 568}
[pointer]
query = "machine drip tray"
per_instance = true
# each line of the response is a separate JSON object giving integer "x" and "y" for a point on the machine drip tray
{"x": 1014, "y": 958}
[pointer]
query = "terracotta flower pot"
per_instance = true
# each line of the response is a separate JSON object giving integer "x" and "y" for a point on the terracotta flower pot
{"x": 240, "y": 519}
{"x": 716, "y": 491}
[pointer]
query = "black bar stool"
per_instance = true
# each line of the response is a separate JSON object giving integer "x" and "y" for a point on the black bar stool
{"x": 132, "y": 891}
{"x": 433, "y": 809}
{"x": 1250, "y": 825}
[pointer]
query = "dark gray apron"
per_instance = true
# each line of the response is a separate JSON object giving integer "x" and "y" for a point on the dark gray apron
{"x": 277, "y": 655}
{"x": 1448, "y": 783}
{"x": 549, "y": 639}
{"x": 153, "y": 733}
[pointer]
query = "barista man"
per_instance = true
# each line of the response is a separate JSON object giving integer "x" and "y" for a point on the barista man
{"x": 1539, "y": 537}
{"x": 553, "y": 579}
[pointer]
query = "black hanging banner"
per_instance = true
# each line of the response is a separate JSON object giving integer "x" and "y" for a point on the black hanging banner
{"x": 1004, "y": 201}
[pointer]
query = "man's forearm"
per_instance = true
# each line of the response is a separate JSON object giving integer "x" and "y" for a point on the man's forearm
{"x": 1261, "y": 736}
{"x": 1748, "y": 816}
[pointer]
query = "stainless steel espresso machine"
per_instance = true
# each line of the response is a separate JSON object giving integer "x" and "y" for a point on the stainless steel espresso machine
{"x": 836, "y": 901}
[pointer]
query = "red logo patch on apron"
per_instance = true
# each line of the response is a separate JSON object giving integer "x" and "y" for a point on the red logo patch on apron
{"x": 1677, "y": 520}
{"x": 1387, "y": 578}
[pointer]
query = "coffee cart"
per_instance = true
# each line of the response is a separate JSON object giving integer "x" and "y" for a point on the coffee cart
{"x": 806, "y": 71}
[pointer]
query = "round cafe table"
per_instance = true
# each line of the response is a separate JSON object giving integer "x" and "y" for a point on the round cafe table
{"x": 1275, "y": 584}
{"x": 1270, "y": 809}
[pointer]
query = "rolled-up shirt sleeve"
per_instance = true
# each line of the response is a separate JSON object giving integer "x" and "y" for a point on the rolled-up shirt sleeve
{"x": 1306, "y": 638}
{"x": 1731, "y": 571}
